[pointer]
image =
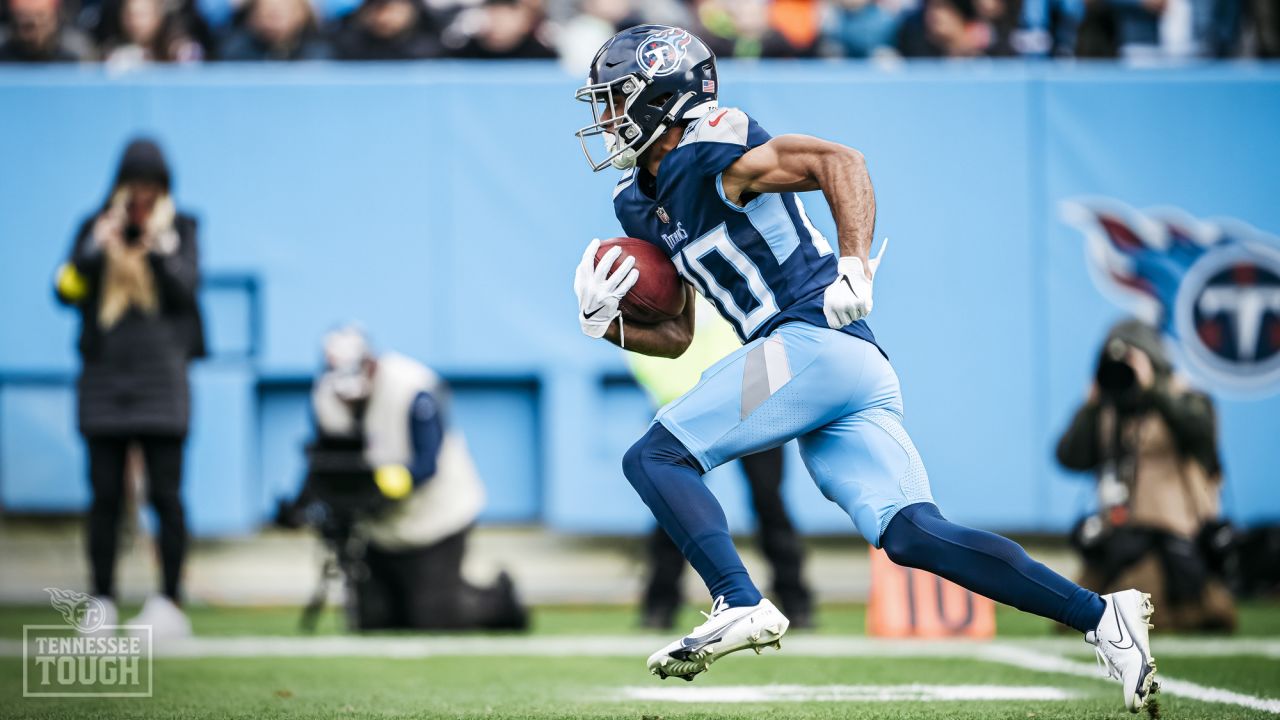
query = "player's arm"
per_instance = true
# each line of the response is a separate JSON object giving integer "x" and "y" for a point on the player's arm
{"x": 669, "y": 338}
{"x": 800, "y": 163}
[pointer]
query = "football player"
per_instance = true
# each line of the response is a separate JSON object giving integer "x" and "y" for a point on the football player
{"x": 718, "y": 195}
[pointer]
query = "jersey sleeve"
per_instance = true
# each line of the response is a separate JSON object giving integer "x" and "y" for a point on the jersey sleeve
{"x": 713, "y": 143}
{"x": 426, "y": 429}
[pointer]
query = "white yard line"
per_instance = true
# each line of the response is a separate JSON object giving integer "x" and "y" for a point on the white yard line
{"x": 1032, "y": 660}
{"x": 842, "y": 693}
{"x": 1206, "y": 693}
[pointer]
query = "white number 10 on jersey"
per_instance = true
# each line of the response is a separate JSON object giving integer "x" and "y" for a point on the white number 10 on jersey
{"x": 690, "y": 262}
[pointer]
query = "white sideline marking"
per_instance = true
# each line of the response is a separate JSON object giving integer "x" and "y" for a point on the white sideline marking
{"x": 424, "y": 646}
{"x": 631, "y": 645}
{"x": 1035, "y": 654}
{"x": 843, "y": 693}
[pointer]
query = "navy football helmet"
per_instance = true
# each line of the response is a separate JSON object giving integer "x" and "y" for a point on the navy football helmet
{"x": 642, "y": 81}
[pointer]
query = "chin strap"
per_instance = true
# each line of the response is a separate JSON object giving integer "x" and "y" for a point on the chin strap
{"x": 675, "y": 109}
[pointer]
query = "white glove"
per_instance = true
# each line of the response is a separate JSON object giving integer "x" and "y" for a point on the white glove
{"x": 600, "y": 292}
{"x": 848, "y": 299}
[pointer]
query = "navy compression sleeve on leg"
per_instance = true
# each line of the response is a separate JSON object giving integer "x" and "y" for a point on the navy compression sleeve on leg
{"x": 669, "y": 480}
{"x": 988, "y": 564}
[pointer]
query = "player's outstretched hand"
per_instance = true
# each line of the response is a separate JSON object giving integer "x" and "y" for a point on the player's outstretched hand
{"x": 600, "y": 291}
{"x": 848, "y": 299}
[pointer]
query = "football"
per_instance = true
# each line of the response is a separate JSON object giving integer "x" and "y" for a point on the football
{"x": 659, "y": 293}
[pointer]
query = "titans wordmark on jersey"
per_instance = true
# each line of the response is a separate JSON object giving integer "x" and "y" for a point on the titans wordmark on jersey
{"x": 763, "y": 264}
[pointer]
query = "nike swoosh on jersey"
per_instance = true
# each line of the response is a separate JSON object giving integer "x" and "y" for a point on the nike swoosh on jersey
{"x": 716, "y": 120}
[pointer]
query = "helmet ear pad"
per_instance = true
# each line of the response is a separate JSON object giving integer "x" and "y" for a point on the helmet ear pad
{"x": 673, "y": 114}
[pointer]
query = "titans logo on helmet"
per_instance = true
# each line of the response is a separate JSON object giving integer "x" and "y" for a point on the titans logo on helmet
{"x": 660, "y": 54}
{"x": 1212, "y": 286}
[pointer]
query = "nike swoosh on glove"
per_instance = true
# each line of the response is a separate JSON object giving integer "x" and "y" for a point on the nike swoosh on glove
{"x": 848, "y": 299}
{"x": 599, "y": 291}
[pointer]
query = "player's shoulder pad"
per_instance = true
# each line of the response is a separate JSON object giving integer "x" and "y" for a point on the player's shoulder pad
{"x": 721, "y": 125}
{"x": 624, "y": 182}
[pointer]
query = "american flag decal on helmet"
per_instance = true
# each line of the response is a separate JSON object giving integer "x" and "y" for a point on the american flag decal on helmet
{"x": 708, "y": 86}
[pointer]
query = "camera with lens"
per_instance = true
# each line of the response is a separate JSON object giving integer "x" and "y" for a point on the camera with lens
{"x": 338, "y": 494}
{"x": 132, "y": 234}
{"x": 1116, "y": 379}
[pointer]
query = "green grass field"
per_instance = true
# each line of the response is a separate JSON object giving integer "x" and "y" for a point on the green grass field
{"x": 588, "y": 662}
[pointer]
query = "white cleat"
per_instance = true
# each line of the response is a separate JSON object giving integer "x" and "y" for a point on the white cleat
{"x": 727, "y": 630}
{"x": 1124, "y": 647}
{"x": 166, "y": 620}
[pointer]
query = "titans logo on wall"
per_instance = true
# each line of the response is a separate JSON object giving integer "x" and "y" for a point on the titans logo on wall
{"x": 660, "y": 54}
{"x": 1212, "y": 286}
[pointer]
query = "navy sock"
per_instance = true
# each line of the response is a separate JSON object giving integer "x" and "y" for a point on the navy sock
{"x": 669, "y": 481}
{"x": 919, "y": 537}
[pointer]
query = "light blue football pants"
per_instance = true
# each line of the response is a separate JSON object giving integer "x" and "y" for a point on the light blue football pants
{"x": 835, "y": 393}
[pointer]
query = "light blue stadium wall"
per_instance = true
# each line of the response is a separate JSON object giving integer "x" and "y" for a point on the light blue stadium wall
{"x": 445, "y": 205}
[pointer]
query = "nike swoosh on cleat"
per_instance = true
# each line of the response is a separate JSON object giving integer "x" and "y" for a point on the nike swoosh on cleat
{"x": 689, "y": 641}
{"x": 1120, "y": 629}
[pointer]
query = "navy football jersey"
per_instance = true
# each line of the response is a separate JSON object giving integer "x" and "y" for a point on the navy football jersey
{"x": 763, "y": 264}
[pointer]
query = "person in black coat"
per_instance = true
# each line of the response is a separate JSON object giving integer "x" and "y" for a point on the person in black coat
{"x": 133, "y": 274}
{"x": 271, "y": 30}
{"x": 387, "y": 30}
{"x": 500, "y": 30}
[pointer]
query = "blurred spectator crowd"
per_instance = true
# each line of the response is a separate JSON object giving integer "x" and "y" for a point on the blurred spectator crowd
{"x": 128, "y": 33}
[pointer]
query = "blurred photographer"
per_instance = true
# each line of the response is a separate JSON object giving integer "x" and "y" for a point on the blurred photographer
{"x": 1152, "y": 444}
{"x": 133, "y": 274}
{"x": 391, "y": 413}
